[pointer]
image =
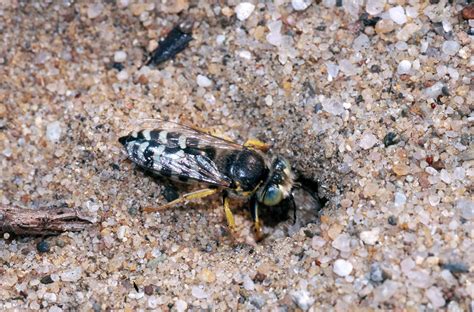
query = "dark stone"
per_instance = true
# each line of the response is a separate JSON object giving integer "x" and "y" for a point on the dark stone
{"x": 392, "y": 220}
{"x": 46, "y": 280}
{"x": 390, "y": 139}
{"x": 42, "y": 246}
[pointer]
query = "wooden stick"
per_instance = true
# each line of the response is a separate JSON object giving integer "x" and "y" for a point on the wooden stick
{"x": 21, "y": 221}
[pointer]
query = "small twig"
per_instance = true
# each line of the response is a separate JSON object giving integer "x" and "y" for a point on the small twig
{"x": 21, "y": 221}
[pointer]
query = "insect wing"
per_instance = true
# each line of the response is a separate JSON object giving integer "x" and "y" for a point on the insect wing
{"x": 177, "y": 151}
{"x": 202, "y": 138}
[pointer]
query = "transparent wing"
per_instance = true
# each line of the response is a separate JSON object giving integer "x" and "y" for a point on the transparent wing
{"x": 183, "y": 166}
{"x": 204, "y": 137}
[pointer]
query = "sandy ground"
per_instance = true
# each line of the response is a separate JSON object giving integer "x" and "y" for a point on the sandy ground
{"x": 377, "y": 108}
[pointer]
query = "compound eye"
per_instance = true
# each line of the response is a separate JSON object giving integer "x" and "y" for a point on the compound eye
{"x": 273, "y": 196}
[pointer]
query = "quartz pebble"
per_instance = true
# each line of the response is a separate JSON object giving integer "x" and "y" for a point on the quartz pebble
{"x": 248, "y": 283}
{"x": 300, "y": 5}
{"x": 404, "y": 67}
{"x": 397, "y": 14}
{"x": 368, "y": 140}
{"x": 342, "y": 267}
{"x": 122, "y": 75}
{"x": 120, "y": 56}
{"x": 334, "y": 107}
{"x": 203, "y": 81}
{"x": 374, "y": 7}
{"x": 385, "y": 291}
{"x": 181, "y": 305}
{"x": 370, "y": 237}
{"x": 243, "y": 10}
{"x": 198, "y": 292}
{"x": 53, "y": 131}
{"x": 451, "y": 47}
{"x": 303, "y": 299}
{"x": 435, "y": 296}
{"x": 72, "y": 275}
{"x": 94, "y": 10}
{"x": 274, "y": 37}
{"x": 342, "y": 242}
{"x": 466, "y": 208}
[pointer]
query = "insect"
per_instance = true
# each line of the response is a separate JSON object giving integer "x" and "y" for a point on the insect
{"x": 176, "y": 41}
{"x": 186, "y": 154}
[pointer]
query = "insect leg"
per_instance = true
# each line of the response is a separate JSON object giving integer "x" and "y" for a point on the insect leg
{"x": 293, "y": 206}
{"x": 257, "y": 144}
{"x": 189, "y": 196}
{"x": 228, "y": 213}
{"x": 256, "y": 219}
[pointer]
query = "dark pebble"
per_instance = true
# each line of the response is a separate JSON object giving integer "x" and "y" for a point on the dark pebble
{"x": 259, "y": 277}
{"x": 46, "y": 280}
{"x": 438, "y": 165}
{"x": 375, "y": 69}
{"x": 149, "y": 289}
{"x": 42, "y": 246}
{"x": 117, "y": 66}
{"x": 392, "y": 220}
{"x": 170, "y": 193}
{"x": 369, "y": 21}
{"x": 390, "y": 139}
{"x": 456, "y": 267}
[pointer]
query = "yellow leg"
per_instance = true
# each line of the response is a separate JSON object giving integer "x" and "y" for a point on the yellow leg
{"x": 228, "y": 214}
{"x": 257, "y": 144}
{"x": 257, "y": 222}
{"x": 189, "y": 196}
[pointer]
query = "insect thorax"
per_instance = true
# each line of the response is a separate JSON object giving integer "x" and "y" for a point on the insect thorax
{"x": 246, "y": 168}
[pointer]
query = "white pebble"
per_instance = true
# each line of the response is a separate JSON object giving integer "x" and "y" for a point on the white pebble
{"x": 451, "y": 47}
{"x": 274, "y": 37}
{"x": 361, "y": 42}
{"x": 181, "y": 305}
{"x": 53, "y": 131}
{"x": 268, "y": 100}
{"x": 122, "y": 75}
{"x": 397, "y": 14}
{"x": 435, "y": 296}
{"x": 466, "y": 208}
{"x": 303, "y": 299}
{"x": 245, "y": 54}
{"x": 342, "y": 242}
{"x": 198, "y": 292}
{"x": 374, "y": 7}
{"x": 332, "y": 69}
{"x": 317, "y": 242}
{"x": 220, "y": 39}
{"x": 404, "y": 67}
{"x": 370, "y": 237}
{"x": 248, "y": 283}
{"x": 72, "y": 275}
{"x": 400, "y": 199}
{"x": 459, "y": 173}
{"x": 244, "y": 10}
{"x": 434, "y": 91}
{"x": 386, "y": 291}
{"x": 94, "y": 10}
{"x": 342, "y": 267}
{"x": 300, "y": 5}
{"x": 445, "y": 176}
{"x": 55, "y": 308}
{"x": 368, "y": 140}
{"x": 120, "y": 56}
{"x": 334, "y": 107}
{"x": 203, "y": 81}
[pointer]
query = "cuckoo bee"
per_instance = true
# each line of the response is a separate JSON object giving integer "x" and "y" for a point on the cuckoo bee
{"x": 186, "y": 154}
